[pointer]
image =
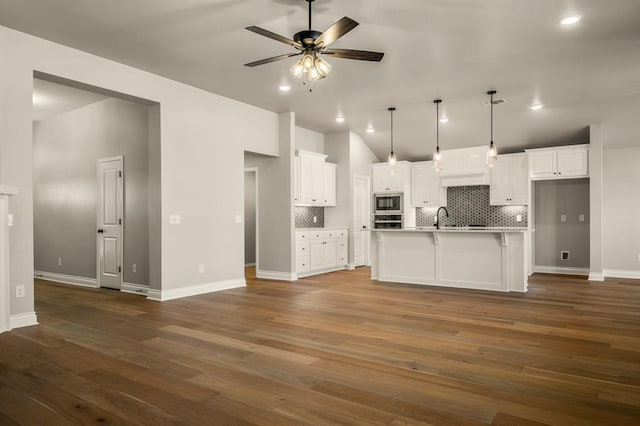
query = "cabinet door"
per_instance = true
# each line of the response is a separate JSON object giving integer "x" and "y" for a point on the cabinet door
{"x": 329, "y": 184}
{"x": 317, "y": 180}
{"x": 305, "y": 171}
{"x": 395, "y": 181}
{"x": 296, "y": 163}
{"x": 330, "y": 253}
{"x": 380, "y": 173}
{"x": 316, "y": 254}
{"x": 543, "y": 164}
{"x": 499, "y": 191}
{"x": 519, "y": 180}
{"x": 419, "y": 190}
{"x": 573, "y": 162}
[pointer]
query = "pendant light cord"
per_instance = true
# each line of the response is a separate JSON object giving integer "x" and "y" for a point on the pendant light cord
{"x": 391, "y": 130}
{"x": 492, "y": 119}
{"x": 437, "y": 126}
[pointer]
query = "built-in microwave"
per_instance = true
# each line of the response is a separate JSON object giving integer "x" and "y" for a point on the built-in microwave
{"x": 387, "y": 203}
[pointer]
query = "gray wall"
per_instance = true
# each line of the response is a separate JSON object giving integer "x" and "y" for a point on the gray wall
{"x": 554, "y": 198}
{"x": 65, "y": 151}
{"x": 249, "y": 217}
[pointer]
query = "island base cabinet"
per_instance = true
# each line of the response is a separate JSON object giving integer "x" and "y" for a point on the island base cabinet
{"x": 320, "y": 251}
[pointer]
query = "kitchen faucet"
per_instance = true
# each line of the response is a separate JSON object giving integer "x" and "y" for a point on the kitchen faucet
{"x": 438, "y": 216}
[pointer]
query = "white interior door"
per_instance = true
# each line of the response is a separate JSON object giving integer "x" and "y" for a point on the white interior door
{"x": 110, "y": 218}
{"x": 361, "y": 211}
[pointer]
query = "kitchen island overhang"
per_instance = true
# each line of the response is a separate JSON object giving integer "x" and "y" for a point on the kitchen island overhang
{"x": 483, "y": 259}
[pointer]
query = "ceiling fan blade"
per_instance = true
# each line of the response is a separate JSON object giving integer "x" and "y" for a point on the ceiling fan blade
{"x": 274, "y": 36}
{"x": 336, "y": 31}
{"x": 361, "y": 55}
{"x": 272, "y": 59}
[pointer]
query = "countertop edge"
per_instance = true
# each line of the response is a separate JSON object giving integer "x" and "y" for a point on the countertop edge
{"x": 474, "y": 231}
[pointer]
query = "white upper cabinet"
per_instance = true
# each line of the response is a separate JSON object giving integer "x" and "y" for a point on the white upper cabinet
{"x": 510, "y": 180}
{"x": 315, "y": 180}
{"x": 329, "y": 184}
{"x": 384, "y": 181}
{"x": 465, "y": 166}
{"x": 425, "y": 186}
{"x": 559, "y": 162}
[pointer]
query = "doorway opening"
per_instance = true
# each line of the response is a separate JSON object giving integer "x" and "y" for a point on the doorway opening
{"x": 250, "y": 222}
{"x": 96, "y": 186}
{"x": 361, "y": 221}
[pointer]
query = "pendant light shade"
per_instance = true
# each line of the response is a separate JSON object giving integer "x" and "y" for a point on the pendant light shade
{"x": 492, "y": 152}
{"x": 438, "y": 162}
{"x": 392, "y": 156}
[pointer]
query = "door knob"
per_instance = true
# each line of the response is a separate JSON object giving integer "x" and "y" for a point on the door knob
{"x": 100, "y": 231}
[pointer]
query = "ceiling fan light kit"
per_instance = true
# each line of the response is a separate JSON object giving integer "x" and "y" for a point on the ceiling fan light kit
{"x": 312, "y": 45}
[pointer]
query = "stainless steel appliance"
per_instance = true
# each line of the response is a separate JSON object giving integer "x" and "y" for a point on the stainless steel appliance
{"x": 387, "y": 221}
{"x": 387, "y": 203}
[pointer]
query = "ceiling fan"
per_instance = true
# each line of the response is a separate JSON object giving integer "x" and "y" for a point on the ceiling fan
{"x": 312, "y": 44}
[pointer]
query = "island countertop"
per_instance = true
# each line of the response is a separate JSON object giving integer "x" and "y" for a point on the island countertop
{"x": 464, "y": 229}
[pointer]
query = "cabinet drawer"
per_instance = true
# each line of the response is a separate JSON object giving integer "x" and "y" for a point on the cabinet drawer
{"x": 330, "y": 234}
{"x": 342, "y": 233}
{"x": 302, "y": 248}
{"x": 343, "y": 244}
{"x": 302, "y": 264}
{"x": 342, "y": 258}
{"x": 303, "y": 235}
{"x": 316, "y": 235}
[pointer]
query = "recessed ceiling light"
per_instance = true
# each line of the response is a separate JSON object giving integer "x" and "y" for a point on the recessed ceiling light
{"x": 444, "y": 120}
{"x": 536, "y": 107}
{"x": 340, "y": 119}
{"x": 370, "y": 129}
{"x": 570, "y": 20}
{"x": 284, "y": 88}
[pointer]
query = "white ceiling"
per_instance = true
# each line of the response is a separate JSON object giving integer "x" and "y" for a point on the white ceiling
{"x": 453, "y": 49}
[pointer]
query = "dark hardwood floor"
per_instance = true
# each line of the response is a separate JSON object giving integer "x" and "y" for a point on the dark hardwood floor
{"x": 331, "y": 349}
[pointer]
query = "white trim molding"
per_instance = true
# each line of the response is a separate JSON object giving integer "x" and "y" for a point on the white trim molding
{"x": 565, "y": 270}
{"x": 619, "y": 273}
{"x": 135, "y": 288}
{"x": 23, "y": 320}
{"x": 275, "y": 275}
{"x": 194, "y": 290}
{"x": 596, "y": 276}
{"x": 66, "y": 279}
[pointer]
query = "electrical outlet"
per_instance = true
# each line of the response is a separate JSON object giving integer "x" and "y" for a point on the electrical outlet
{"x": 315, "y": 219}
{"x": 201, "y": 268}
{"x": 10, "y": 220}
{"x": 518, "y": 218}
{"x": 19, "y": 291}
{"x": 639, "y": 258}
{"x": 563, "y": 218}
{"x": 580, "y": 218}
{"x": 134, "y": 268}
{"x": 59, "y": 261}
{"x": 564, "y": 255}
{"x": 238, "y": 218}
{"x": 174, "y": 219}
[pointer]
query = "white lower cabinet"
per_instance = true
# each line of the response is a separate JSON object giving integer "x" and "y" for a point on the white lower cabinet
{"x": 320, "y": 251}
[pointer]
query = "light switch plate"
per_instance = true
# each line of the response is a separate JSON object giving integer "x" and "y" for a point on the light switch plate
{"x": 518, "y": 218}
{"x": 581, "y": 218}
{"x": 10, "y": 220}
{"x": 201, "y": 268}
{"x": 238, "y": 218}
{"x": 563, "y": 218}
{"x": 174, "y": 219}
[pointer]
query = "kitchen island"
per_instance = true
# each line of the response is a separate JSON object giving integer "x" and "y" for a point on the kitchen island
{"x": 476, "y": 258}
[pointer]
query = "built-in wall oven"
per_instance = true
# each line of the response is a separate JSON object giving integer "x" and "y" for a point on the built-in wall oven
{"x": 387, "y": 211}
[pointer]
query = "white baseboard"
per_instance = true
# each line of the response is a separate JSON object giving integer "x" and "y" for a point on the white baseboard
{"x": 351, "y": 266}
{"x": 23, "y": 320}
{"x": 596, "y": 276}
{"x": 194, "y": 290}
{"x": 618, "y": 273}
{"x": 275, "y": 275}
{"x": 66, "y": 279}
{"x": 560, "y": 270}
{"x": 135, "y": 288}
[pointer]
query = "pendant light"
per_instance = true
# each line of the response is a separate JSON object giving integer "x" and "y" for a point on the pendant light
{"x": 438, "y": 163}
{"x": 492, "y": 152}
{"x": 392, "y": 156}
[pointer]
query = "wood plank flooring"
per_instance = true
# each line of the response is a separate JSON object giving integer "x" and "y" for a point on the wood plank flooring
{"x": 331, "y": 349}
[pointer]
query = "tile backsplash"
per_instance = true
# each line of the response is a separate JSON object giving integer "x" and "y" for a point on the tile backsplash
{"x": 305, "y": 215}
{"x": 469, "y": 205}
